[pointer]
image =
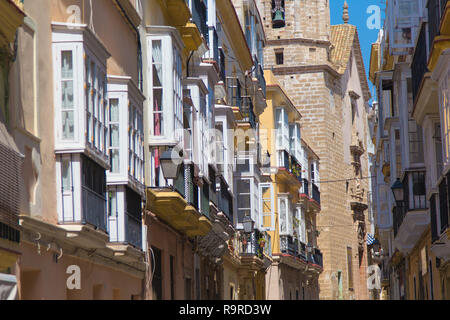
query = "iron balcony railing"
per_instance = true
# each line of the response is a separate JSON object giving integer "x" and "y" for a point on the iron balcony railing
{"x": 295, "y": 168}
{"x": 419, "y": 63}
{"x": 234, "y": 92}
{"x": 305, "y": 187}
{"x": 94, "y": 209}
{"x": 225, "y": 199}
{"x": 315, "y": 193}
{"x": 436, "y": 9}
{"x": 433, "y": 219}
{"x": 291, "y": 246}
{"x": 399, "y": 215}
{"x": 288, "y": 245}
{"x": 185, "y": 178}
{"x": 247, "y": 111}
{"x": 199, "y": 17}
{"x": 258, "y": 73}
{"x": 133, "y": 230}
{"x": 318, "y": 257}
{"x": 444, "y": 191}
{"x": 215, "y": 45}
{"x": 222, "y": 71}
{"x": 250, "y": 244}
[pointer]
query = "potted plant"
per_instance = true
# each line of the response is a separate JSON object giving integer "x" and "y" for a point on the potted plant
{"x": 262, "y": 242}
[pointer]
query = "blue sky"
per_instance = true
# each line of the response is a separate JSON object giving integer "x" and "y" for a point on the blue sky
{"x": 359, "y": 17}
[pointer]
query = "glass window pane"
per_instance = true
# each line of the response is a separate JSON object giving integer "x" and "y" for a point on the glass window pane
{"x": 114, "y": 135}
{"x": 67, "y": 95}
{"x": 66, "y": 65}
{"x": 67, "y": 125}
{"x": 115, "y": 164}
{"x": 112, "y": 201}
{"x": 66, "y": 176}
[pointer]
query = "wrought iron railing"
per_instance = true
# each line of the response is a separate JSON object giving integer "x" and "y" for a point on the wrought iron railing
{"x": 247, "y": 111}
{"x": 443, "y": 197}
{"x": 419, "y": 63}
{"x": 222, "y": 71}
{"x": 288, "y": 245}
{"x": 225, "y": 200}
{"x": 317, "y": 257}
{"x": 234, "y": 92}
{"x": 305, "y": 187}
{"x": 436, "y": 9}
{"x": 94, "y": 209}
{"x": 433, "y": 219}
{"x": 199, "y": 17}
{"x": 315, "y": 193}
{"x": 250, "y": 244}
{"x": 215, "y": 45}
{"x": 260, "y": 76}
{"x": 295, "y": 168}
{"x": 399, "y": 215}
{"x": 133, "y": 230}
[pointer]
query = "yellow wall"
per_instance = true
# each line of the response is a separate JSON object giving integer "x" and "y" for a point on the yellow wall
{"x": 414, "y": 261}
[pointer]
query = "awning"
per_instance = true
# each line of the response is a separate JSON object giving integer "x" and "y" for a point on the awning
{"x": 8, "y": 287}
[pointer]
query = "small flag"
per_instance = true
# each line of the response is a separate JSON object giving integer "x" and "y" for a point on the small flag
{"x": 370, "y": 239}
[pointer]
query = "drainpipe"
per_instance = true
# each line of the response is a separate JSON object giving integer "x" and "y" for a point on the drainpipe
{"x": 187, "y": 64}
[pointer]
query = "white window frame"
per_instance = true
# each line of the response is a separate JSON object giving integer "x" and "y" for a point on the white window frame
{"x": 84, "y": 46}
{"x": 284, "y": 198}
{"x": 131, "y": 131}
{"x": 172, "y": 104}
{"x": 282, "y": 129}
{"x": 295, "y": 141}
{"x": 271, "y": 200}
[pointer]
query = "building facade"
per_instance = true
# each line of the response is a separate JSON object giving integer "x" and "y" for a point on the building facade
{"x": 320, "y": 67}
{"x": 291, "y": 200}
{"x": 408, "y": 67}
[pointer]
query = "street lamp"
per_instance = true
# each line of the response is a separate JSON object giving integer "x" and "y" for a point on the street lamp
{"x": 397, "y": 190}
{"x": 170, "y": 161}
{"x": 248, "y": 224}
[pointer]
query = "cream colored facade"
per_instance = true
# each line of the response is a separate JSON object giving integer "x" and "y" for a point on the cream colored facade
{"x": 321, "y": 69}
{"x": 49, "y": 246}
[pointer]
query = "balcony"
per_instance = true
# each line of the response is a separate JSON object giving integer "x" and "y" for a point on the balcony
{"x": 440, "y": 233}
{"x": 289, "y": 170}
{"x": 234, "y": 92}
{"x": 199, "y": 17}
{"x": 225, "y": 200}
{"x": 315, "y": 193}
{"x": 419, "y": 63}
{"x": 94, "y": 209}
{"x": 11, "y": 19}
{"x": 176, "y": 206}
{"x": 178, "y": 11}
{"x": 411, "y": 217}
{"x": 222, "y": 71}
{"x": 438, "y": 30}
{"x": 259, "y": 75}
{"x": 247, "y": 112}
{"x": 305, "y": 187}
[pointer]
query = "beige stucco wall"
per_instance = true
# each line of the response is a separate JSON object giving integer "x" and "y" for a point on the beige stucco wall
{"x": 40, "y": 278}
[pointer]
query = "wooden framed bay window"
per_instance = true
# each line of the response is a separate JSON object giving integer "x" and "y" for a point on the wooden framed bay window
{"x": 126, "y": 126}
{"x": 267, "y": 206}
{"x": 79, "y": 69}
{"x": 165, "y": 89}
